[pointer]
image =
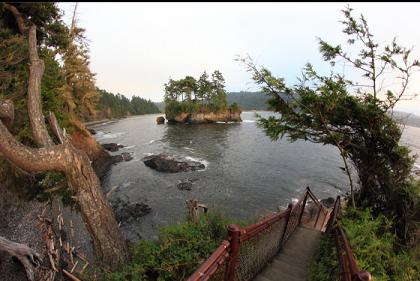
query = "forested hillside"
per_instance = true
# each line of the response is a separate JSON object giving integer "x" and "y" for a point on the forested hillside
{"x": 249, "y": 100}
{"x": 116, "y": 105}
{"x": 407, "y": 118}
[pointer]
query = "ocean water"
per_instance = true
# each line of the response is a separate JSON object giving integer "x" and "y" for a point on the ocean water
{"x": 246, "y": 173}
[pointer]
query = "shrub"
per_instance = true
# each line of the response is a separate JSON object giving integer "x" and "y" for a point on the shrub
{"x": 234, "y": 107}
{"x": 181, "y": 249}
{"x": 325, "y": 265}
{"x": 374, "y": 246}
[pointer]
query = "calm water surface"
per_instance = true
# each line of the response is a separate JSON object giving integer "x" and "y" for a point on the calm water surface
{"x": 246, "y": 173}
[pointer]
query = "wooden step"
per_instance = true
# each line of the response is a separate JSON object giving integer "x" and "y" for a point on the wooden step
{"x": 302, "y": 262}
{"x": 289, "y": 268}
{"x": 292, "y": 263}
{"x": 275, "y": 274}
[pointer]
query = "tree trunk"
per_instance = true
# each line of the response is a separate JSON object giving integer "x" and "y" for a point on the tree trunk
{"x": 36, "y": 70}
{"x": 110, "y": 247}
{"x": 96, "y": 211}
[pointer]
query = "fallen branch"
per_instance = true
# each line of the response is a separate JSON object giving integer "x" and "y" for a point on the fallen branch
{"x": 111, "y": 190}
{"x": 71, "y": 276}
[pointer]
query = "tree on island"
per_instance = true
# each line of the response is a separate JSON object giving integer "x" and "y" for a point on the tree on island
{"x": 323, "y": 109}
{"x": 188, "y": 95}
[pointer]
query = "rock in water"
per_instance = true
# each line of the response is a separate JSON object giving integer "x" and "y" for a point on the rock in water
{"x": 160, "y": 120}
{"x": 112, "y": 146}
{"x": 125, "y": 156}
{"x": 185, "y": 185}
{"x": 126, "y": 212}
{"x": 167, "y": 164}
{"x": 92, "y": 131}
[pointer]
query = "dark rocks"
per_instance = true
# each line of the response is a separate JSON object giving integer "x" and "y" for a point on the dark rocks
{"x": 186, "y": 184}
{"x": 125, "y": 156}
{"x": 92, "y": 131}
{"x": 160, "y": 120}
{"x": 167, "y": 164}
{"x": 328, "y": 202}
{"x": 126, "y": 212}
{"x": 112, "y": 146}
{"x": 102, "y": 162}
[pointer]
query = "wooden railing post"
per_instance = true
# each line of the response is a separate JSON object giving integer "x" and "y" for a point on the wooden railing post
{"x": 234, "y": 232}
{"x": 317, "y": 217}
{"x": 333, "y": 216}
{"x": 289, "y": 211}
{"x": 303, "y": 207}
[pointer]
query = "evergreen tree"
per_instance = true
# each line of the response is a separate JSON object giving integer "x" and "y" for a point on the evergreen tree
{"x": 321, "y": 109}
{"x": 79, "y": 91}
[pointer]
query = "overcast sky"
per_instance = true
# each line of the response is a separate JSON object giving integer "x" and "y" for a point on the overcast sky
{"x": 136, "y": 47}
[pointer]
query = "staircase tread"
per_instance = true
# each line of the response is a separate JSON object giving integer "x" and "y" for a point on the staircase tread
{"x": 275, "y": 274}
{"x": 293, "y": 261}
{"x": 286, "y": 267}
{"x": 302, "y": 262}
{"x": 303, "y": 249}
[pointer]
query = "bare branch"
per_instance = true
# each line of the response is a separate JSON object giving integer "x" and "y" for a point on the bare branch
{"x": 18, "y": 16}
{"x": 58, "y": 132}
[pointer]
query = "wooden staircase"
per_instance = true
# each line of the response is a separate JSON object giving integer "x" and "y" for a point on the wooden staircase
{"x": 281, "y": 246}
{"x": 292, "y": 263}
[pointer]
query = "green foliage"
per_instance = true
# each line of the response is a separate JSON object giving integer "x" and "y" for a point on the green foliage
{"x": 51, "y": 30}
{"x": 189, "y": 95}
{"x": 174, "y": 108}
{"x": 324, "y": 266}
{"x": 234, "y": 107}
{"x": 321, "y": 109}
{"x": 79, "y": 92}
{"x": 179, "y": 251}
{"x": 117, "y": 106}
{"x": 372, "y": 240}
{"x": 14, "y": 70}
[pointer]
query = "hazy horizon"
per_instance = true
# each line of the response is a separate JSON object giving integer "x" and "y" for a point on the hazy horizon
{"x": 136, "y": 47}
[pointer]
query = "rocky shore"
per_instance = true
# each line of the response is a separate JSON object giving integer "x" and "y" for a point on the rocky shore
{"x": 20, "y": 217}
{"x": 206, "y": 117}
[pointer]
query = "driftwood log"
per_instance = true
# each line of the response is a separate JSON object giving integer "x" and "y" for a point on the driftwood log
{"x": 194, "y": 209}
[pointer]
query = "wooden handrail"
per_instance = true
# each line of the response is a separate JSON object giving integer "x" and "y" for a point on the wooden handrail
{"x": 210, "y": 266}
{"x": 252, "y": 230}
{"x": 347, "y": 261}
{"x": 229, "y": 250}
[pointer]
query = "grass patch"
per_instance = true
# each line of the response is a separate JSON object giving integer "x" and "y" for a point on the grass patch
{"x": 374, "y": 246}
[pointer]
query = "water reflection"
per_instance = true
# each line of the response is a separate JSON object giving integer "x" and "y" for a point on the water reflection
{"x": 208, "y": 141}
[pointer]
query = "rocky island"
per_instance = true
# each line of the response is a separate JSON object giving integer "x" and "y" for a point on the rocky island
{"x": 189, "y": 100}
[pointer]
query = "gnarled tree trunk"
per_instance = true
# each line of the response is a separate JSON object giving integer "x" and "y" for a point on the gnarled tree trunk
{"x": 109, "y": 245}
{"x": 23, "y": 253}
